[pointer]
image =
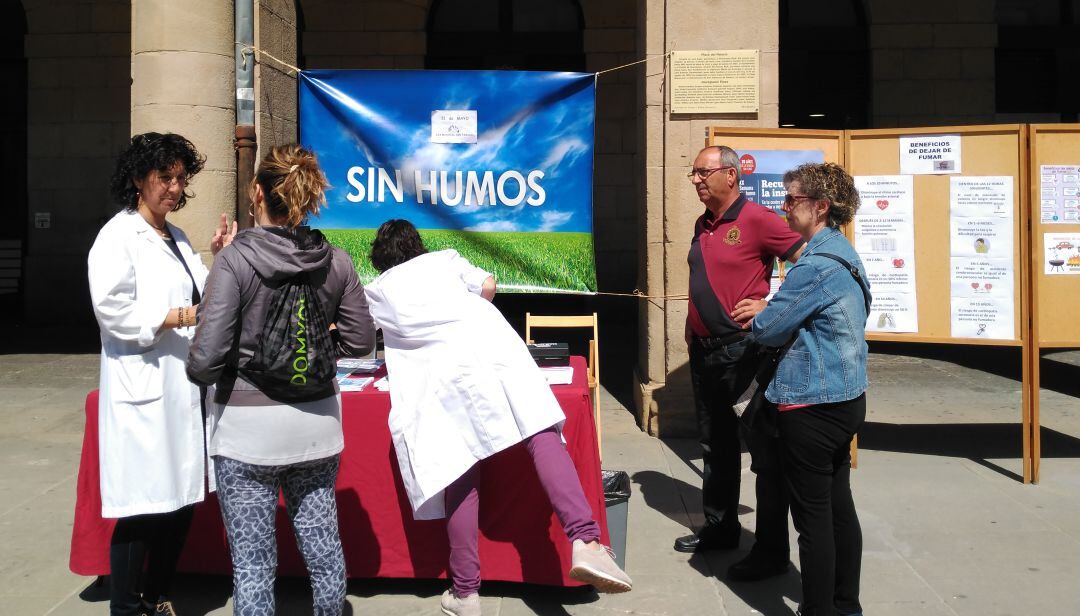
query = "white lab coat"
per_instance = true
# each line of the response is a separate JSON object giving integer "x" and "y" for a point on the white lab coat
{"x": 150, "y": 426}
{"x": 462, "y": 383}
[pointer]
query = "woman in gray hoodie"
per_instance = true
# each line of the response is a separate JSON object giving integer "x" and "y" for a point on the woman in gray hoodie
{"x": 260, "y": 444}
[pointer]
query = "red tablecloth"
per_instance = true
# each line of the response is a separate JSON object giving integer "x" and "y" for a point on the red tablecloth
{"x": 520, "y": 538}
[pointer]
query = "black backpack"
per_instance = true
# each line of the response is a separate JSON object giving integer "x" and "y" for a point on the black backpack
{"x": 295, "y": 360}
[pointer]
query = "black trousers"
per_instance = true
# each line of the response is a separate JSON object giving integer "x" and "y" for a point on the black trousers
{"x": 771, "y": 538}
{"x": 817, "y": 466}
{"x": 154, "y": 541}
{"x": 718, "y": 376}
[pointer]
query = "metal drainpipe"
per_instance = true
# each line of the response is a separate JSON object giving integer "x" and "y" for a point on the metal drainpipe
{"x": 245, "y": 109}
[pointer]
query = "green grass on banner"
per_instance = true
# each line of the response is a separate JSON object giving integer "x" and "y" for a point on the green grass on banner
{"x": 527, "y": 259}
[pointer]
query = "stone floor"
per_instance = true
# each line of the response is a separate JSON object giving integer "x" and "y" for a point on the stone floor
{"x": 948, "y": 528}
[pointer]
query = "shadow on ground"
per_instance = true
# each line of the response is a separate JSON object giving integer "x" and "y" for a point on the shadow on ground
{"x": 1058, "y": 369}
{"x": 976, "y": 442}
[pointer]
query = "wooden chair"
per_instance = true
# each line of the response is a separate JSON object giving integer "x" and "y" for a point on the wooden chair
{"x": 534, "y": 321}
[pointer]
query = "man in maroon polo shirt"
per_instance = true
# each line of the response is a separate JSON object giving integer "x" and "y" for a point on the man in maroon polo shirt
{"x": 731, "y": 259}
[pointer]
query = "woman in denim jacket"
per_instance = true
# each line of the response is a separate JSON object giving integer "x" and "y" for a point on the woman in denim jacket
{"x": 820, "y": 384}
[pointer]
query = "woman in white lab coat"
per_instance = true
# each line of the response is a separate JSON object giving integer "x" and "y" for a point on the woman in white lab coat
{"x": 145, "y": 284}
{"x": 463, "y": 387}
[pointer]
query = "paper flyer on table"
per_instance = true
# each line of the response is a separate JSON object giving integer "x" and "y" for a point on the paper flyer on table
{"x": 929, "y": 154}
{"x": 1061, "y": 254}
{"x": 974, "y": 196}
{"x": 1059, "y": 194}
{"x": 893, "y": 312}
{"x": 982, "y": 277}
{"x": 983, "y": 317}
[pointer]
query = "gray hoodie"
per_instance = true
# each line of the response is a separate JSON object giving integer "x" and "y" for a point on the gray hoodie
{"x": 238, "y": 292}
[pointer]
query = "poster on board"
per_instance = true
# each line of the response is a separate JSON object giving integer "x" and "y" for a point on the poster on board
{"x": 1059, "y": 194}
{"x": 884, "y": 231}
{"x": 761, "y": 173}
{"x": 981, "y": 257}
{"x": 930, "y": 154}
{"x": 1061, "y": 254}
{"x": 761, "y": 180}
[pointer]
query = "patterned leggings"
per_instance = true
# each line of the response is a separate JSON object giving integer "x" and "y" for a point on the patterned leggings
{"x": 248, "y": 494}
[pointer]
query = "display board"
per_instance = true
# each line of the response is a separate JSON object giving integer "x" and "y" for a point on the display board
{"x": 950, "y": 281}
{"x": 1055, "y": 244}
{"x": 953, "y": 203}
{"x": 1055, "y": 253}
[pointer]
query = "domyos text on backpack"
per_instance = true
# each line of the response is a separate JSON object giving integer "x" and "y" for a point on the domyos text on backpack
{"x": 295, "y": 358}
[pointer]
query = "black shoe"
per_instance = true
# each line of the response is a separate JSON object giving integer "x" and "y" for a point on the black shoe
{"x": 756, "y": 567}
{"x": 710, "y": 538}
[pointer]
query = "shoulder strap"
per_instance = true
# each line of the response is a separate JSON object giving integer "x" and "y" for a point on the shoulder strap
{"x": 854, "y": 274}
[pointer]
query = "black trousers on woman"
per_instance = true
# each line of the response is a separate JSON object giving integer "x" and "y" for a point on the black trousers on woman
{"x": 816, "y": 444}
{"x": 153, "y": 541}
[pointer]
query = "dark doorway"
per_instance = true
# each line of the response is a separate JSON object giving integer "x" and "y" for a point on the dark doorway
{"x": 824, "y": 64}
{"x": 13, "y": 232}
{"x": 506, "y": 34}
{"x": 1037, "y": 59}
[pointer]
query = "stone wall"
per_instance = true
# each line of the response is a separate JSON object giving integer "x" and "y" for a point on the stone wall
{"x": 667, "y": 200}
{"x": 275, "y": 85}
{"x": 933, "y": 62}
{"x": 611, "y": 41}
{"x": 78, "y": 63}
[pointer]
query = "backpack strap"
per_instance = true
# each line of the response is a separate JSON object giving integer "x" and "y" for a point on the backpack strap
{"x": 854, "y": 274}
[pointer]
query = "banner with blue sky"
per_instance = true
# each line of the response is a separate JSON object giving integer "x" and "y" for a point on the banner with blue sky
{"x": 496, "y": 164}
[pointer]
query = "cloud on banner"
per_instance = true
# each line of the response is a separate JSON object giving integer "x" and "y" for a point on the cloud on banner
{"x": 497, "y": 164}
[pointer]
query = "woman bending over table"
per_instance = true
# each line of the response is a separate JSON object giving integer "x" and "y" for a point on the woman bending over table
{"x": 262, "y": 440}
{"x": 145, "y": 286}
{"x": 464, "y": 387}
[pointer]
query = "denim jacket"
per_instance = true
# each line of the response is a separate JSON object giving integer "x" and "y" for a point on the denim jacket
{"x": 821, "y": 302}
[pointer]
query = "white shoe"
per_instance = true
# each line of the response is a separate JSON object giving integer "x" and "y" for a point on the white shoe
{"x": 452, "y": 606}
{"x": 595, "y": 564}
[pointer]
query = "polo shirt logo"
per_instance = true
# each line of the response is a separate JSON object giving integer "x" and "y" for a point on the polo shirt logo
{"x": 733, "y": 237}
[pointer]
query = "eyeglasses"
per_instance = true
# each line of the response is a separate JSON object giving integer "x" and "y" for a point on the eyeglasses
{"x": 790, "y": 200}
{"x": 167, "y": 179}
{"x": 703, "y": 174}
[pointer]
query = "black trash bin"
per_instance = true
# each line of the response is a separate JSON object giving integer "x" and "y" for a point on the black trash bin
{"x": 617, "y": 503}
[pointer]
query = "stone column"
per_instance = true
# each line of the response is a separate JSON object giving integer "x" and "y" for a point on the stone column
{"x": 183, "y": 82}
{"x": 670, "y": 142}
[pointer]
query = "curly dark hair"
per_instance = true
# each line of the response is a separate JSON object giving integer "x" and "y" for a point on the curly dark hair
{"x": 152, "y": 152}
{"x": 395, "y": 242}
{"x": 829, "y": 182}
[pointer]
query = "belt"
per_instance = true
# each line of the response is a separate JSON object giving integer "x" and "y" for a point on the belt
{"x": 715, "y": 342}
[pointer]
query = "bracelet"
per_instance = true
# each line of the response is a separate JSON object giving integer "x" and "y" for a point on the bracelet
{"x": 180, "y": 317}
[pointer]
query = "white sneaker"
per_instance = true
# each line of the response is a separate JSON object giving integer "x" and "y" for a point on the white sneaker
{"x": 452, "y": 606}
{"x": 595, "y": 565}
